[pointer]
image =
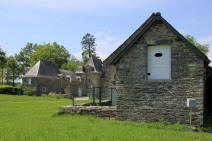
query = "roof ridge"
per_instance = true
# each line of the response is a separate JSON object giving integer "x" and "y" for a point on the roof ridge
{"x": 114, "y": 57}
{"x": 38, "y": 67}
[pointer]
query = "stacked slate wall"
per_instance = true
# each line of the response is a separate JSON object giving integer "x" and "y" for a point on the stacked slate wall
{"x": 140, "y": 99}
{"x": 108, "y": 80}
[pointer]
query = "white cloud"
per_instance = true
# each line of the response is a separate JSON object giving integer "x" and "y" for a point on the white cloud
{"x": 207, "y": 40}
{"x": 80, "y": 5}
{"x": 99, "y": 34}
{"x": 9, "y": 50}
{"x": 78, "y": 54}
{"x": 106, "y": 45}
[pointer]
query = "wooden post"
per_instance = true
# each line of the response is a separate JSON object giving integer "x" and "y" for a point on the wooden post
{"x": 190, "y": 115}
{"x": 72, "y": 95}
{"x": 111, "y": 92}
{"x": 93, "y": 95}
{"x": 72, "y": 100}
{"x": 100, "y": 96}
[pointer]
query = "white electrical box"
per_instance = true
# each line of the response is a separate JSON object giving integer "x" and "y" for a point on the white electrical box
{"x": 191, "y": 102}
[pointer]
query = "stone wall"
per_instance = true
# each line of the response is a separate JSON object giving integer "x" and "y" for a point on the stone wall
{"x": 108, "y": 80}
{"x": 33, "y": 82}
{"x": 140, "y": 99}
{"x": 105, "y": 112}
{"x": 51, "y": 85}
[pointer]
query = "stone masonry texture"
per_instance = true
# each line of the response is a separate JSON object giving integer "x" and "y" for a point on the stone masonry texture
{"x": 140, "y": 99}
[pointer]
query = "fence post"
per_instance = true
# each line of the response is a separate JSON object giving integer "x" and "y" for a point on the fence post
{"x": 93, "y": 95}
{"x": 100, "y": 96}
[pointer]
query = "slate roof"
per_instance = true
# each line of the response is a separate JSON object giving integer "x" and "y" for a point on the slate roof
{"x": 68, "y": 73}
{"x": 43, "y": 68}
{"x": 47, "y": 69}
{"x": 121, "y": 50}
{"x": 95, "y": 63}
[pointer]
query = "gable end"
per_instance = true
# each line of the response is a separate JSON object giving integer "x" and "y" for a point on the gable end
{"x": 118, "y": 53}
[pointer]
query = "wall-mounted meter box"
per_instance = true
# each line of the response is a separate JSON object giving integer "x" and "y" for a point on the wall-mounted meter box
{"x": 191, "y": 102}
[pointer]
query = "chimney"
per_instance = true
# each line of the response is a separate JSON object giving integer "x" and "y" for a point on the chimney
{"x": 52, "y": 60}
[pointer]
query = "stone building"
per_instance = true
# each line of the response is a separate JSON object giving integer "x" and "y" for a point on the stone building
{"x": 45, "y": 77}
{"x": 90, "y": 75}
{"x": 96, "y": 78}
{"x": 157, "y": 70}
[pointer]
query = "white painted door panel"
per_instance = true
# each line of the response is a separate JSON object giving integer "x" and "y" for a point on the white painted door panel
{"x": 159, "y": 62}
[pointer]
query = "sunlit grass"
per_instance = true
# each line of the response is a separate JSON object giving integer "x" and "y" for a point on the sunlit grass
{"x": 28, "y": 118}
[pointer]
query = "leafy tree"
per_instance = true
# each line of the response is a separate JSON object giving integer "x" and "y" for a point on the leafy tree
{"x": 72, "y": 64}
{"x": 12, "y": 69}
{"x": 23, "y": 57}
{"x": 48, "y": 51}
{"x": 3, "y": 61}
{"x": 88, "y": 46}
{"x": 202, "y": 47}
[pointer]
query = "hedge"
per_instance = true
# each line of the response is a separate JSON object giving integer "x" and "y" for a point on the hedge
{"x": 29, "y": 91}
{"x": 10, "y": 90}
{"x": 6, "y": 89}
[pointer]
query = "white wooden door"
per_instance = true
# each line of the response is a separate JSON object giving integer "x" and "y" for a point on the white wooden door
{"x": 79, "y": 92}
{"x": 159, "y": 62}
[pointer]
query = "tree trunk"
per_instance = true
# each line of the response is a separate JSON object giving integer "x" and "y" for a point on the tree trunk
{"x": 89, "y": 51}
{"x": 2, "y": 71}
{"x": 13, "y": 79}
{"x": 13, "y": 82}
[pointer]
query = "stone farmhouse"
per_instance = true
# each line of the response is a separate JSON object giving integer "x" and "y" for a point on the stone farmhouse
{"x": 155, "y": 74}
{"x": 45, "y": 77}
{"x": 157, "y": 71}
{"x": 96, "y": 78}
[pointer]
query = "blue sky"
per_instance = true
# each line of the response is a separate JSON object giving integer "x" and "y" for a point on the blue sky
{"x": 111, "y": 21}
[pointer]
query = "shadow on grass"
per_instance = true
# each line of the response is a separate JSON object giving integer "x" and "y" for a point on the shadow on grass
{"x": 161, "y": 124}
{"x": 207, "y": 127}
{"x": 61, "y": 113}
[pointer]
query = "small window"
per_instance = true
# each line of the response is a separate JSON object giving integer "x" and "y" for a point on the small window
{"x": 44, "y": 90}
{"x": 29, "y": 81}
{"x": 88, "y": 70}
{"x": 92, "y": 69}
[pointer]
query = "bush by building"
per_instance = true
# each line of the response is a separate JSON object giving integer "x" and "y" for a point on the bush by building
{"x": 29, "y": 91}
{"x": 7, "y": 89}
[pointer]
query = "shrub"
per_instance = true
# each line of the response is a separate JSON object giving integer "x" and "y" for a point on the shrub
{"x": 52, "y": 94}
{"x": 29, "y": 91}
{"x": 19, "y": 85}
{"x": 44, "y": 95}
{"x": 7, "y": 89}
{"x": 6, "y": 86}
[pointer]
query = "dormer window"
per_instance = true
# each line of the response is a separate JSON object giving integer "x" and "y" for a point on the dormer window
{"x": 90, "y": 69}
{"x": 29, "y": 81}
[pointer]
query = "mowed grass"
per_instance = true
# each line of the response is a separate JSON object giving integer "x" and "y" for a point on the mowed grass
{"x": 25, "y": 118}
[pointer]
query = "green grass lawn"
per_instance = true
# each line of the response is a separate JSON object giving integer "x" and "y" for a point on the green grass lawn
{"x": 25, "y": 118}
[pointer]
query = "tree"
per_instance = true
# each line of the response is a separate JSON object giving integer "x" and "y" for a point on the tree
{"x": 23, "y": 57}
{"x": 49, "y": 51}
{"x": 12, "y": 69}
{"x": 88, "y": 46}
{"x": 202, "y": 47}
{"x": 72, "y": 64}
{"x": 3, "y": 61}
